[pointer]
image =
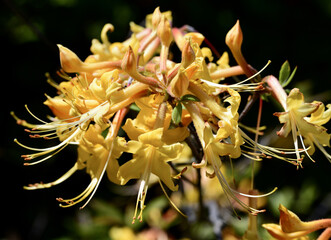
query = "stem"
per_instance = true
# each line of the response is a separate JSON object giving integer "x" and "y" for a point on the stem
{"x": 243, "y": 63}
{"x": 256, "y": 139}
{"x": 200, "y": 211}
{"x": 199, "y": 124}
{"x": 251, "y": 232}
{"x": 248, "y": 106}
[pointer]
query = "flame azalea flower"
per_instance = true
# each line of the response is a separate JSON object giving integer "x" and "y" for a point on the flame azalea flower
{"x": 291, "y": 227}
{"x": 305, "y": 120}
{"x": 98, "y": 155}
{"x": 96, "y": 93}
{"x": 213, "y": 149}
{"x": 146, "y": 119}
{"x": 68, "y": 132}
{"x": 150, "y": 156}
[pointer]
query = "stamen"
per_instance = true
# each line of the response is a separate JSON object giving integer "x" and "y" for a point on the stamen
{"x": 171, "y": 202}
{"x": 274, "y": 152}
{"x": 229, "y": 192}
{"x": 56, "y": 182}
{"x": 26, "y": 106}
{"x": 321, "y": 148}
{"x": 304, "y": 147}
{"x": 240, "y": 86}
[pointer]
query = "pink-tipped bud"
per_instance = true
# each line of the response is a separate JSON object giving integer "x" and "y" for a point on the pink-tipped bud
{"x": 164, "y": 31}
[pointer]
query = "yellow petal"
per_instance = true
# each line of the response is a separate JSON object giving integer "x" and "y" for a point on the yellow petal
{"x": 60, "y": 108}
{"x": 163, "y": 171}
{"x": 132, "y": 169}
{"x": 152, "y": 138}
{"x": 320, "y": 116}
{"x": 170, "y": 152}
{"x": 174, "y": 135}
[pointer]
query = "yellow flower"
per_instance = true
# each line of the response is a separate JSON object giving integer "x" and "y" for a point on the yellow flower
{"x": 68, "y": 132}
{"x": 98, "y": 155}
{"x": 150, "y": 156}
{"x": 95, "y": 153}
{"x": 146, "y": 119}
{"x": 305, "y": 120}
{"x": 213, "y": 149}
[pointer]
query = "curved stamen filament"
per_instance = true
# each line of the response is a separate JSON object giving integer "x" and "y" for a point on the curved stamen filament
{"x": 56, "y": 182}
{"x": 80, "y": 197}
{"x": 274, "y": 152}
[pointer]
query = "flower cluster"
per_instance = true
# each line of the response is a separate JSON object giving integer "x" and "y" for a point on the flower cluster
{"x": 177, "y": 107}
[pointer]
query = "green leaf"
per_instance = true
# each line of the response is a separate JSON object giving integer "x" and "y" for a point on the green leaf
{"x": 134, "y": 107}
{"x": 284, "y": 84}
{"x": 176, "y": 115}
{"x": 189, "y": 97}
{"x": 105, "y": 132}
{"x": 284, "y": 72}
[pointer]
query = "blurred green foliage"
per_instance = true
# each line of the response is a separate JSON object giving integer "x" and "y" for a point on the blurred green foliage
{"x": 298, "y": 31}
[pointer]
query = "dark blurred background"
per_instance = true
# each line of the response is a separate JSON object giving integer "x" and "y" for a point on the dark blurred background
{"x": 277, "y": 30}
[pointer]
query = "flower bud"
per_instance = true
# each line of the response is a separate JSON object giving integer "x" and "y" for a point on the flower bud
{"x": 129, "y": 63}
{"x": 164, "y": 31}
{"x": 179, "y": 84}
{"x": 234, "y": 38}
{"x": 156, "y": 18}
{"x": 70, "y": 62}
{"x": 188, "y": 55}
